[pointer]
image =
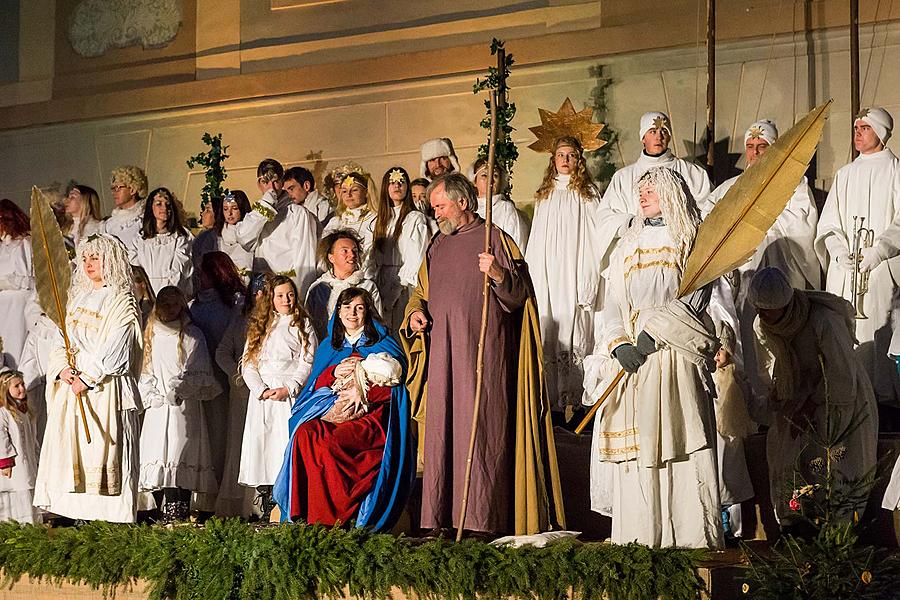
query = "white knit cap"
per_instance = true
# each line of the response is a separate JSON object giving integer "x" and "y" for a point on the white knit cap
{"x": 434, "y": 149}
{"x": 652, "y": 120}
{"x": 770, "y": 289}
{"x": 763, "y": 129}
{"x": 880, "y": 120}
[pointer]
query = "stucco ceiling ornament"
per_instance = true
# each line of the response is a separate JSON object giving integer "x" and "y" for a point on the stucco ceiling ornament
{"x": 567, "y": 122}
{"x": 98, "y": 25}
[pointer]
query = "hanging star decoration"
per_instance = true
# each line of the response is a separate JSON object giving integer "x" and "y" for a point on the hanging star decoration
{"x": 566, "y": 122}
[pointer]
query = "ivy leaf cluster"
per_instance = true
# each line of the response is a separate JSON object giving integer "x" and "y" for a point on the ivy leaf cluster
{"x": 214, "y": 162}
{"x": 505, "y": 151}
{"x": 600, "y": 162}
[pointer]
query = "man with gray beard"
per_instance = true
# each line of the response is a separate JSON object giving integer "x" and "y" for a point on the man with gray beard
{"x": 440, "y": 334}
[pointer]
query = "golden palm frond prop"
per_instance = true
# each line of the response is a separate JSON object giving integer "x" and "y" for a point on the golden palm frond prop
{"x": 737, "y": 225}
{"x": 52, "y": 274}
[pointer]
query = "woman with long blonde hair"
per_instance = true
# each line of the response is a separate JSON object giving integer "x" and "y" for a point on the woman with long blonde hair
{"x": 277, "y": 360}
{"x": 564, "y": 259}
{"x": 82, "y": 205}
{"x": 356, "y": 211}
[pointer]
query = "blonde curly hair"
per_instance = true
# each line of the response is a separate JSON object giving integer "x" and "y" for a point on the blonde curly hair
{"x": 117, "y": 272}
{"x": 131, "y": 177}
{"x": 580, "y": 180}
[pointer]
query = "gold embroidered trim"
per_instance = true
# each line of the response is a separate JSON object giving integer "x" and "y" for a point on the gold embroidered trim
{"x": 618, "y": 434}
{"x": 617, "y": 451}
{"x": 85, "y": 311}
{"x": 668, "y": 264}
{"x": 619, "y": 340}
{"x": 641, "y": 251}
{"x": 265, "y": 211}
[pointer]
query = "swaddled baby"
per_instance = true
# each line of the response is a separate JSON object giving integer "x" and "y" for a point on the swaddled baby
{"x": 353, "y": 377}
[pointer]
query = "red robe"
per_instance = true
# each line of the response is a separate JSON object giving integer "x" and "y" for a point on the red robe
{"x": 336, "y": 465}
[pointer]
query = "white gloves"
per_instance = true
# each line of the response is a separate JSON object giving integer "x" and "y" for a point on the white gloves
{"x": 871, "y": 258}
{"x": 172, "y": 398}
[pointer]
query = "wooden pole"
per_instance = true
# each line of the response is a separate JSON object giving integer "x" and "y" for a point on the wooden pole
{"x": 485, "y": 291}
{"x": 854, "y": 66}
{"x": 609, "y": 390}
{"x": 711, "y": 86}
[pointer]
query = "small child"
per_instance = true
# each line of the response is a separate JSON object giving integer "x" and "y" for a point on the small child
{"x": 733, "y": 424}
{"x": 176, "y": 381}
{"x": 277, "y": 360}
{"x": 19, "y": 451}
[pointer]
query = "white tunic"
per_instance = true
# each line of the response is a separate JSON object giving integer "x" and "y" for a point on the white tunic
{"x": 175, "y": 385}
{"x": 657, "y": 428}
{"x": 564, "y": 259}
{"x": 324, "y": 292}
{"x": 868, "y": 187}
{"x": 125, "y": 223}
{"x": 35, "y": 360}
{"x": 166, "y": 257}
{"x": 319, "y": 206}
{"x": 283, "y": 236}
{"x": 18, "y": 440}
{"x": 282, "y": 362}
{"x": 507, "y": 217}
{"x": 211, "y": 241}
{"x": 398, "y": 264}
{"x": 16, "y": 296}
{"x": 621, "y": 197}
{"x": 97, "y": 480}
{"x": 91, "y": 227}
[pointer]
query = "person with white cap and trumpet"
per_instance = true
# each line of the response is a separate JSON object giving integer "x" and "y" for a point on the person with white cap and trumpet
{"x": 865, "y": 194}
{"x": 656, "y": 137}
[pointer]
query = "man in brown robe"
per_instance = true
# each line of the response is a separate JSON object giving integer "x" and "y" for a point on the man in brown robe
{"x": 514, "y": 454}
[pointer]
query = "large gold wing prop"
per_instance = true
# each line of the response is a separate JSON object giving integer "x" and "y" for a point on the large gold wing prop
{"x": 737, "y": 225}
{"x": 52, "y": 274}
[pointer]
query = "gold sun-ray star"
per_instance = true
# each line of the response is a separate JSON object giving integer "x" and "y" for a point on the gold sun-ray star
{"x": 567, "y": 122}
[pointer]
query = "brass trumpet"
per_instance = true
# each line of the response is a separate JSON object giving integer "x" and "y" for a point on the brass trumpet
{"x": 859, "y": 282}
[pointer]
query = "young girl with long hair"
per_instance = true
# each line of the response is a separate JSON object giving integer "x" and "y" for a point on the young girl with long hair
{"x": 277, "y": 360}
{"x": 401, "y": 237}
{"x": 164, "y": 247}
{"x": 176, "y": 382}
{"x": 19, "y": 451}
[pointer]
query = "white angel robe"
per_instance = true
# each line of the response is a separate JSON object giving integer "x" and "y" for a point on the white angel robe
{"x": 621, "y": 197}
{"x": 868, "y": 187}
{"x": 507, "y": 217}
{"x": 166, "y": 257}
{"x": 564, "y": 257}
{"x": 175, "y": 386}
{"x": 35, "y": 359}
{"x": 234, "y": 500}
{"x": 16, "y": 296}
{"x": 91, "y": 227}
{"x": 282, "y": 362}
{"x": 97, "y": 480}
{"x": 323, "y": 294}
{"x": 283, "y": 236}
{"x": 18, "y": 441}
{"x": 657, "y": 428}
{"x": 319, "y": 206}
{"x": 125, "y": 223}
{"x": 227, "y": 242}
{"x": 398, "y": 264}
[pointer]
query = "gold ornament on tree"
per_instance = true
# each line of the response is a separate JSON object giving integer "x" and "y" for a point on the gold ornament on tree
{"x": 566, "y": 122}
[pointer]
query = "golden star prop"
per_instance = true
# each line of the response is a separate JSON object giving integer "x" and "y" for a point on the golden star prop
{"x": 756, "y": 132}
{"x": 567, "y": 123}
{"x": 396, "y": 176}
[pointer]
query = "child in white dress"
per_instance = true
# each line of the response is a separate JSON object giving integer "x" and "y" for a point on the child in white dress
{"x": 19, "y": 451}
{"x": 277, "y": 360}
{"x": 176, "y": 381}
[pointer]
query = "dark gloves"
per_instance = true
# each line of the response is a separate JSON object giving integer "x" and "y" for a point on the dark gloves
{"x": 629, "y": 357}
{"x": 646, "y": 344}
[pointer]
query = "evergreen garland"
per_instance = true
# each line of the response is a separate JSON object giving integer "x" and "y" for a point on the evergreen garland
{"x": 213, "y": 161}
{"x": 231, "y": 560}
{"x": 505, "y": 151}
{"x": 600, "y": 162}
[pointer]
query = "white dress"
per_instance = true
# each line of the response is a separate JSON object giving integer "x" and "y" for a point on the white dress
{"x": 282, "y": 362}
{"x": 656, "y": 432}
{"x": 507, "y": 217}
{"x": 283, "y": 236}
{"x": 234, "y": 500}
{"x": 398, "y": 264}
{"x": 175, "y": 386}
{"x": 97, "y": 480}
{"x": 166, "y": 257}
{"x": 91, "y": 227}
{"x": 16, "y": 296}
{"x": 564, "y": 258}
{"x": 35, "y": 359}
{"x": 125, "y": 223}
{"x": 868, "y": 187}
{"x": 323, "y": 294}
{"x": 18, "y": 440}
